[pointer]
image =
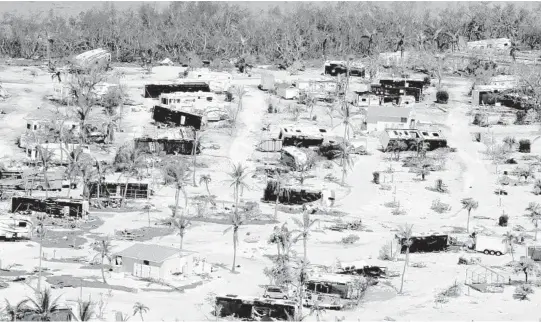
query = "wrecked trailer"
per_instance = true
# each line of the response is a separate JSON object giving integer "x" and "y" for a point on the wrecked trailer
{"x": 337, "y": 284}
{"x": 168, "y": 115}
{"x": 290, "y": 195}
{"x": 425, "y": 243}
{"x": 169, "y": 146}
{"x": 362, "y": 268}
{"x": 136, "y": 190}
{"x": 251, "y": 307}
{"x": 52, "y": 206}
{"x": 155, "y": 90}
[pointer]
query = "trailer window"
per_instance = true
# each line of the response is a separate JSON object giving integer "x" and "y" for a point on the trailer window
{"x": 403, "y": 119}
{"x": 28, "y": 126}
{"x": 425, "y": 133}
{"x": 435, "y": 134}
{"x": 146, "y": 262}
{"x": 22, "y": 224}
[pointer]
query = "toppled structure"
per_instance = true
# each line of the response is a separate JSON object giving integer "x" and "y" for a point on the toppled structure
{"x": 52, "y": 206}
{"x": 177, "y": 117}
{"x": 30, "y": 179}
{"x": 362, "y": 268}
{"x": 319, "y": 88}
{"x": 339, "y": 284}
{"x": 302, "y": 136}
{"x": 156, "y": 89}
{"x": 293, "y": 157}
{"x": 379, "y": 118}
{"x": 40, "y": 131}
{"x": 187, "y": 97}
{"x": 175, "y": 141}
{"x": 290, "y": 194}
{"x": 59, "y": 152}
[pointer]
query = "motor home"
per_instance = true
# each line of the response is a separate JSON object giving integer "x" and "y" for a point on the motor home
{"x": 492, "y": 245}
{"x": 339, "y": 284}
{"x": 173, "y": 141}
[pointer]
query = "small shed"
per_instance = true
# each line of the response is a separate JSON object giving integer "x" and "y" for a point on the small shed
{"x": 154, "y": 261}
{"x": 287, "y": 91}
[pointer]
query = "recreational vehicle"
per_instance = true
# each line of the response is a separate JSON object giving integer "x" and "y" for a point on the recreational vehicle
{"x": 305, "y": 136}
{"x": 424, "y": 243}
{"x": 15, "y": 227}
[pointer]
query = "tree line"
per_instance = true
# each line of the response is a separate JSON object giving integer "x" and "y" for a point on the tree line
{"x": 219, "y": 30}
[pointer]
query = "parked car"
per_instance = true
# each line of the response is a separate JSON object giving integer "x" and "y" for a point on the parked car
{"x": 275, "y": 292}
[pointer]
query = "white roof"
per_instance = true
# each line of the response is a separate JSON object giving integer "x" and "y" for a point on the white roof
{"x": 297, "y": 153}
{"x": 152, "y": 253}
{"x": 188, "y": 95}
{"x": 341, "y": 62}
{"x": 332, "y": 278}
{"x": 402, "y": 133}
{"x": 304, "y": 130}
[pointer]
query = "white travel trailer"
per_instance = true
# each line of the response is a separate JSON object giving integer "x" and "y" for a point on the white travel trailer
{"x": 493, "y": 245}
{"x": 218, "y": 82}
{"x": 15, "y": 227}
{"x": 92, "y": 58}
{"x": 188, "y": 97}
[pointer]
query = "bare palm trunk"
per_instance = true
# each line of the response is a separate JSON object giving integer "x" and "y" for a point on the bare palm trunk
{"x": 276, "y": 203}
{"x": 103, "y": 268}
{"x": 125, "y": 192}
{"x": 46, "y": 183}
{"x": 194, "y": 154}
{"x": 468, "y": 224}
{"x": 235, "y": 236}
{"x": 404, "y": 270}
{"x": 69, "y": 187}
{"x": 40, "y": 256}
{"x": 305, "y": 242}
{"x": 177, "y": 197}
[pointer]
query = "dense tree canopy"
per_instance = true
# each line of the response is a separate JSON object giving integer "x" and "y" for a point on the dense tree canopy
{"x": 216, "y": 30}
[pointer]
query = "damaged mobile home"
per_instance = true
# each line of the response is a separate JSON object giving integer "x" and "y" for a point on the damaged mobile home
{"x": 335, "y": 68}
{"x": 338, "y": 284}
{"x": 177, "y": 117}
{"x": 290, "y": 194}
{"x": 174, "y": 141}
{"x": 96, "y": 58}
{"x": 247, "y": 307}
{"x": 136, "y": 190}
{"x": 156, "y": 89}
{"x": 305, "y": 136}
{"x": 424, "y": 243}
{"x": 52, "y": 206}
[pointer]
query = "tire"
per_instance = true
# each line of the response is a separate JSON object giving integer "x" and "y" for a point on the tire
{"x": 492, "y": 252}
{"x": 39, "y": 188}
{"x": 499, "y": 254}
{"x": 266, "y": 296}
{"x": 285, "y": 297}
{"x": 486, "y": 252}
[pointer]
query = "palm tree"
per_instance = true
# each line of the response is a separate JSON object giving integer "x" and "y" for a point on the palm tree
{"x": 129, "y": 160}
{"x": 404, "y": 233}
{"x": 278, "y": 190}
{"x": 110, "y": 125}
{"x": 510, "y": 239}
{"x": 345, "y": 154}
{"x": 423, "y": 170}
{"x": 74, "y": 164}
{"x": 469, "y": 204}
{"x": 140, "y": 308}
{"x": 104, "y": 252}
{"x": 101, "y": 171}
{"x": 40, "y": 231}
{"x": 180, "y": 223}
{"x": 45, "y": 157}
{"x": 305, "y": 227}
{"x": 206, "y": 179}
{"x": 177, "y": 173}
{"x": 535, "y": 213}
{"x": 14, "y": 311}
{"x": 237, "y": 181}
{"x": 85, "y": 310}
{"x": 42, "y": 305}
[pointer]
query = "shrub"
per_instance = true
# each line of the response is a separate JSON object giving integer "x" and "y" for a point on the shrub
{"x": 442, "y": 97}
{"x": 398, "y": 212}
{"x": 439, "y": 207}
{"x": 426, "y": 81}
{"x": 522, "y": 291}
{"x": 314, "y": 118}
{"x": 537, "y": 187}
{"x": 392, "y": 204}
{"x": 375, "y": 177}
{"x": 521, "y": 117}
{"x": 271, "y": 109}
{"x": 524, "y": 146}
{"x": 439, "y": 186}
{"x": 350, "y": 239}
{"x": 477, "y": 135}
{"x": 502, "y": 221}
{"x": 479, "y": 119}
{"x": 228, "y": 96}
{"x": 454, "y": 290}
{"x": 385, "y": 253}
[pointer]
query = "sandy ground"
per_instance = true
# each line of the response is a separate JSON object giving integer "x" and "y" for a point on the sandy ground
{"x": 468, "y": 174}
